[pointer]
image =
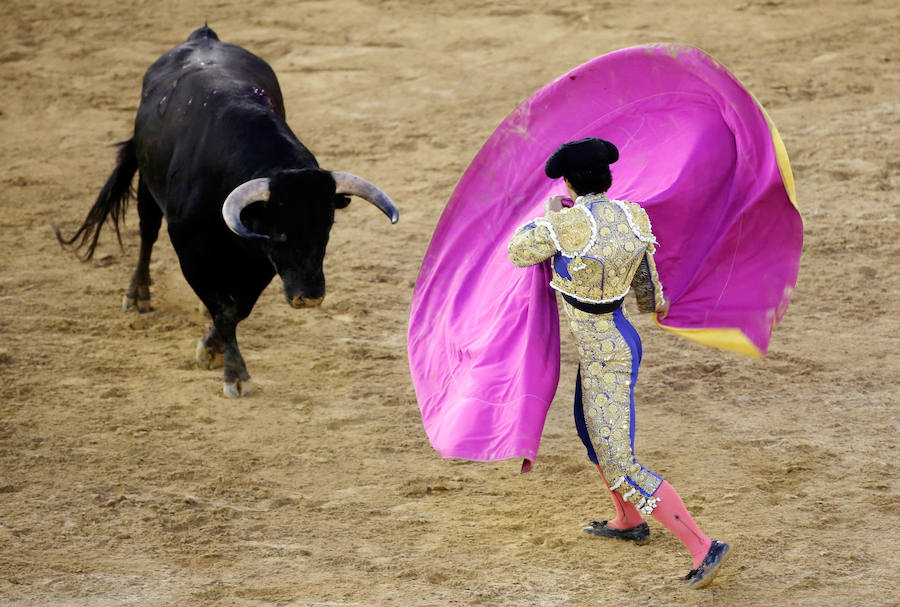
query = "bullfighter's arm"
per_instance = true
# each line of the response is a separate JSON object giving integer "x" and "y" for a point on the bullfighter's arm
{"x": 532, "y": 244}
{"x": 647, "y": 288}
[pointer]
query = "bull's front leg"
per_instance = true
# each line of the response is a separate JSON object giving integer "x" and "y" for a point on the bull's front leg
{"x": 220, "y": 344}
{"x": 210, "y": 352}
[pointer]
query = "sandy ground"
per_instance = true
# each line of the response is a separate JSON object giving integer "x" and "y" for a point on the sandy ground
{"x": 126, "y": 478}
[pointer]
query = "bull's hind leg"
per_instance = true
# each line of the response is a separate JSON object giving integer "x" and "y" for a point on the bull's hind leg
{"x": 138, "y": 293}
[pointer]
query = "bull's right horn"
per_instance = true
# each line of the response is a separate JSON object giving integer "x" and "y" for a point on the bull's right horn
{"x": 255, "y": 190}
{"x": 348, "y": 183}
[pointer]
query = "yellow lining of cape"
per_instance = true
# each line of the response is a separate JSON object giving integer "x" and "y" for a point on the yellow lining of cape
{"x": 781, "y": 156}
{"x": 732, "y": 340}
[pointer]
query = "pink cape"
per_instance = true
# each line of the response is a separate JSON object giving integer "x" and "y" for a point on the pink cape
{"x": 696, "y": 150}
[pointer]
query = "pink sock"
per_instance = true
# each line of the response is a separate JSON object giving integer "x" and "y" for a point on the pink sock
{"x": 627, "y": 516}
{"x": 670, "y": 511}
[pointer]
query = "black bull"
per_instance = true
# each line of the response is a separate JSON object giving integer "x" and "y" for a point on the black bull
{"x": 242, "y": 196}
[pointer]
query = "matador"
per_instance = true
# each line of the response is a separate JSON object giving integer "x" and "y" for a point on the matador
{"x": 600, "y": 249}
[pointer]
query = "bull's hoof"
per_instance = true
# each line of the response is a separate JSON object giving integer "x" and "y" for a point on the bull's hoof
{"x": 131, "y": 302}
{"x": 207, "y": 358}
{"x": 238, "y": 388}
{"x": 305, "y": 302}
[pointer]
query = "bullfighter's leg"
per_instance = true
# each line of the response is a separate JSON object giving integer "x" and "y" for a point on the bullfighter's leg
{"x": 138, "y": 293}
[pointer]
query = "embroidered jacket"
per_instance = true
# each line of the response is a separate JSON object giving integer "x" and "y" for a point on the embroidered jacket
{"x": 600, "y": 248}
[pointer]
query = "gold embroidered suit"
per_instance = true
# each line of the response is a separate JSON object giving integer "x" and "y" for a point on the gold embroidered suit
{"x": 601, "y": 249}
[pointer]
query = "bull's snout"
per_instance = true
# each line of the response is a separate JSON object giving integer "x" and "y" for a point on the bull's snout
{"x": 303, "y": 289}
{"x": 305, "y": 302}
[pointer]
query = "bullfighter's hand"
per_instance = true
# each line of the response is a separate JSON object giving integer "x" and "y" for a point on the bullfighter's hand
{"x": 663, "y": 310}
{"x": 554, "y": 204}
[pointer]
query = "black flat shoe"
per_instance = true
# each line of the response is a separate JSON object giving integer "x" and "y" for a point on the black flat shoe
{"x": 639, "y": 534}
{"x": 702, "y": 576}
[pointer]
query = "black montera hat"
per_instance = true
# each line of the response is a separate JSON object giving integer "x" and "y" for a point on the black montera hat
{"x": 577, "y": 156}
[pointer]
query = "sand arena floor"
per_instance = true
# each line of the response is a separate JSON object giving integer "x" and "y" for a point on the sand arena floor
{"x": 127, "y": 479}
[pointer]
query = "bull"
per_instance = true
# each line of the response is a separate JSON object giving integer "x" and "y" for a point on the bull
{"x": 243, "y": 198}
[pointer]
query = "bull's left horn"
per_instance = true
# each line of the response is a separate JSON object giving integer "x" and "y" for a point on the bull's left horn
{"x": 255, "y": 190}
{"x": 348, "y": 183}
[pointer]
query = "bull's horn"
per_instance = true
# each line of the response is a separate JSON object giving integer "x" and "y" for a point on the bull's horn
{"x": 255, "y": 190}
{"x": 347, "y": 183}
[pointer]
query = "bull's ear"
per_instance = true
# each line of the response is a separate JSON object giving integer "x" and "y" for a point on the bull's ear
{"x": 341, "y": 201}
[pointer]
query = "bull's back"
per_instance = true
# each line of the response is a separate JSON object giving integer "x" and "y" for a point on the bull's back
{"x": 188, "y": 96}
{"x": 204, "y": 56}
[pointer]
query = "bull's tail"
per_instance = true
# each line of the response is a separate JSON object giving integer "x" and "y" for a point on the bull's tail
{"x": 111, "y": 202}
